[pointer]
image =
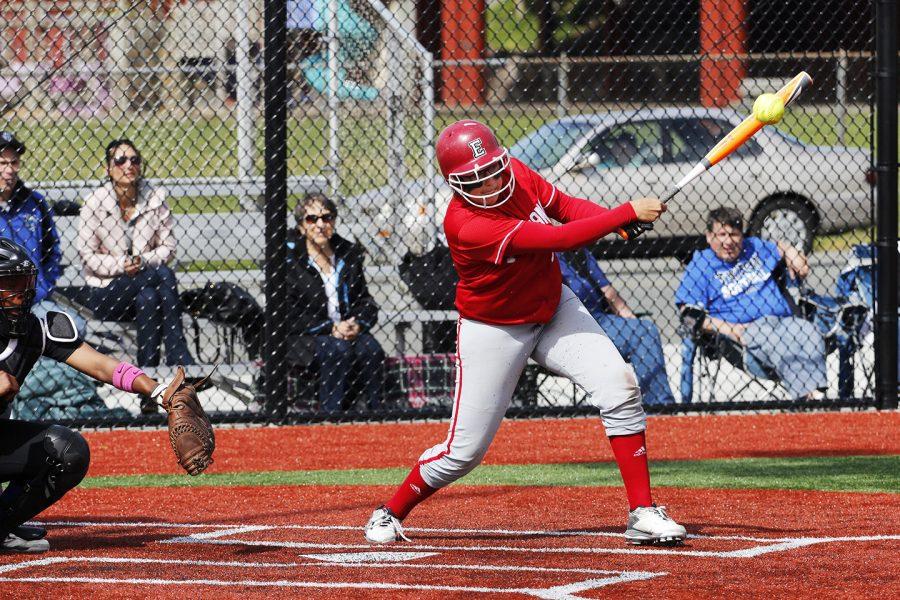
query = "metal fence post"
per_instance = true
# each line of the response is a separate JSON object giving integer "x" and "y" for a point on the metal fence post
{"x": 886, "y": 203}
{"x": 840, "y": 96}
{"x": 275, "y": 368}
{"x": 427, "y": 61}
{"x": 334, "y": 143}
{"x": 562, "y": 89}
{"x": 244, "y": 101}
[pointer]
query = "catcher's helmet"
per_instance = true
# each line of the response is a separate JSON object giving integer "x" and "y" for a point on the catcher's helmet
{"x": 469, "y": 154}
{"x": 17, "y": 279}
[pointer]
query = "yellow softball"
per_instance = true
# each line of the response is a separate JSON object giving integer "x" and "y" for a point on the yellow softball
{"x": 768, "y": 109}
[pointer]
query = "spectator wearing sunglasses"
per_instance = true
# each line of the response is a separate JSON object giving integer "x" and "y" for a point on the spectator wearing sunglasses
{"x": 332, "y": 311}
{"x": 126, "y": 244}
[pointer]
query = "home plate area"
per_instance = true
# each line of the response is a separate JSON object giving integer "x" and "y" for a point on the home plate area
{"x": 333, "y": 559}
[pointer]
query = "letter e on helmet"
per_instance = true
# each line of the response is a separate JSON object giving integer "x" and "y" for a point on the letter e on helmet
{"x": 469, "y": 154}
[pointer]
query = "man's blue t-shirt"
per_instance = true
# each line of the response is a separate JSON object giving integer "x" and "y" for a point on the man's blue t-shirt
{"x": 588, "y": 284}
{"x": 738, "y": 292}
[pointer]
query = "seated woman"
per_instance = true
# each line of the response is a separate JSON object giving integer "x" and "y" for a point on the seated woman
{"x": 330, "y": 309}
{"x": 125, "y": 240}
{"x": 637, "y": 340}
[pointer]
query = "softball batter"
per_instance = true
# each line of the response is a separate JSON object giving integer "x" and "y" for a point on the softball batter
{"x": 513, "y": 306}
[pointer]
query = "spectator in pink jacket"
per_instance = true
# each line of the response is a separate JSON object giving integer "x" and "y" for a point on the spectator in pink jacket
{"x": 125, "y": 240}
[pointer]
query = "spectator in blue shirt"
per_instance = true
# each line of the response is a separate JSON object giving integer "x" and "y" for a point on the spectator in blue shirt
{"x": 637, "y": 340}
{"x": 27, "y": 219}
{"x": 733, "y": 280}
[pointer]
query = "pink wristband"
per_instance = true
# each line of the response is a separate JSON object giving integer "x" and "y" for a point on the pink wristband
{"x": 124, "y": 376}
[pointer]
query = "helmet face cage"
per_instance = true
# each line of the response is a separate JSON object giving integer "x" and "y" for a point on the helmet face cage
{"x": 463, "y": 181}
{"x": 16, "y": 297}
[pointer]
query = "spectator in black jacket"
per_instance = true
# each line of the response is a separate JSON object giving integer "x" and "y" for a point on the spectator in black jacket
{"x": 331, "y": 308}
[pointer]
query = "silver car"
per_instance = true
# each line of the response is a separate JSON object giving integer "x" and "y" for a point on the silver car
{"x": 786, "y": 189}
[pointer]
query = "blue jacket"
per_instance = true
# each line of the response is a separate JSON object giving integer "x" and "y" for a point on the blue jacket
{"x": 29, "y": 222}
{"x": 585, "y": 278}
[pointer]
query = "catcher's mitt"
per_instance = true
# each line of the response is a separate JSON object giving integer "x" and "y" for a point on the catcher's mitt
{"x": 190, "y": 431}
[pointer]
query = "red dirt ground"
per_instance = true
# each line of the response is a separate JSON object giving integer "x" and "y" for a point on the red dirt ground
{"x": 518, "y": 442}
{"x": 856, "y": 569}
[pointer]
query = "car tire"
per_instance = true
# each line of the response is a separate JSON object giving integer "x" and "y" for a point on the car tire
{"x": 787, "y": 220}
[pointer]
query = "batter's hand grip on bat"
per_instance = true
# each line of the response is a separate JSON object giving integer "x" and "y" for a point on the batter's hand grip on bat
{"x": 636, "y": 229}
{"x": 670, "y": 194}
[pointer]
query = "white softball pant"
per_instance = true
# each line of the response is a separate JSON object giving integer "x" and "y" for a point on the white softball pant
{"x": 491, "y": 360}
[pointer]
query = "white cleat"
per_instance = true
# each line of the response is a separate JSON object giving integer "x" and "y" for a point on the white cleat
{"x": 384, "y": 527}
{"x": 15, "y": 544}
{"x": 651, "y": 525}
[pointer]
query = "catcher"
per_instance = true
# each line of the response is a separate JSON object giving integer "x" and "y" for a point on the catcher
{"x": 43, "y": 461}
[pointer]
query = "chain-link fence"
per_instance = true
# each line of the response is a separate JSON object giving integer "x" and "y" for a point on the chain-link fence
{"x": 144, "y": 125}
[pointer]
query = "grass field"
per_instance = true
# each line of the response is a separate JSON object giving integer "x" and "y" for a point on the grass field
{"x": 833, "y": 473}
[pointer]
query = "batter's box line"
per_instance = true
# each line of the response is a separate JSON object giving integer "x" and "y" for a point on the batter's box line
{"x": 561, "y": 592}
{"x": 438, "y": 530}
{"x": 768, "y": 545}
{"x": 751, "y": 552}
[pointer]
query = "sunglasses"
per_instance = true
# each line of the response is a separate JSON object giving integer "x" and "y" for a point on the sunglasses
{"x": 313, "y": 219}
{"x": 121, "y": 160}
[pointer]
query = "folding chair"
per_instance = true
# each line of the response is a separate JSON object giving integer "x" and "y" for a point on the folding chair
{"x": 702, "y": 353}
{"x": 840, "y": 322}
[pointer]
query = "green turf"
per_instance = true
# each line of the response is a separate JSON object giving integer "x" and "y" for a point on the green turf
{"x": 842, "y": 473}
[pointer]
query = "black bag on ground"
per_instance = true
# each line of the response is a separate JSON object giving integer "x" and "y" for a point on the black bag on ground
{"x": 228, "y": 304}
{"x": 431, "y": 278}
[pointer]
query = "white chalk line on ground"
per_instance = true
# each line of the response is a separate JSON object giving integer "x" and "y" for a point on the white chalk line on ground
{"x": 220, "y": 530}
{"x": 366, "y": 557}
{"x": 741, "y": 553}
{"x": 555, "y": 593}
{"x": 501, "y": 532}
{"x": 561, "y": 592}
{"x": 318, "y": 562}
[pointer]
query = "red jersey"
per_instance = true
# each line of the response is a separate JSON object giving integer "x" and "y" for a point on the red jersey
{"x": 511, "y": 290}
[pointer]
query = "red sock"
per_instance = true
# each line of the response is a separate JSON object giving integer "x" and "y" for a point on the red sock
{"x": 631, "y": 456}
{"x": 412, "y": 491}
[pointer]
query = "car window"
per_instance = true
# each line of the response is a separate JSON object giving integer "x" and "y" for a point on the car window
{"x": 544, "y": 148}
{"x": 691, "y": 139}
{"x": 628, "y": 145}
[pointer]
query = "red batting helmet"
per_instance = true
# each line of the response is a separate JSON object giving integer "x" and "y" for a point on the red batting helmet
{"x": 469, "y": 154}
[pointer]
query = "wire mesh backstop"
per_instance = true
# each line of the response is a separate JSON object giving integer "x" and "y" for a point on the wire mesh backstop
{"x": 284, "y": 218}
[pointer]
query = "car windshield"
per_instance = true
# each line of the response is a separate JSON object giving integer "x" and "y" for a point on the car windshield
{"x": 544, "y": 148}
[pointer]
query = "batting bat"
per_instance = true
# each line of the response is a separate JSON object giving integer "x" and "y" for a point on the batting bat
{"x": 728, "y": 144}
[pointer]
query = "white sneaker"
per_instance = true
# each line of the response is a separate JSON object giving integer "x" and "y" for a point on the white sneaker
{"x": 13, "y": 543}
{"x": 651, "y": 525}
{"x": 384, "y": 527}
